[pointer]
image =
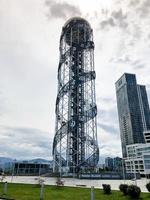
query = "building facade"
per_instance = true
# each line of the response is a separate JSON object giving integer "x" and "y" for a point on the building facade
{"x": 113, "y": 164}
{"x": 138, "y": 159}
{"x": 147, "y": 136}
{"x": 109, "y": 163}
{"x": 133, "y": 111}
{"x": 117, "y": 164}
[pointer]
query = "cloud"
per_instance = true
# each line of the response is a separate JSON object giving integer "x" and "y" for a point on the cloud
{"x": 144, "y": 9}
{"x": 110, "y": 144}
{"x": 108, "y": 114}
{"x": 108, "y": 128}
{"x": 126, "y": 16}
{"x": 25, "y": 143}
{"x": 106, "y": 100}
{"x": 108, "y": 22}
{"x": 120, "y": 18}
{"x": 62, "y": 10}
{"x": 2, "y": 103}
{"x": 116, "y": 19}
{"x": 126, "y": 59}
{"x": 133, "y": 3}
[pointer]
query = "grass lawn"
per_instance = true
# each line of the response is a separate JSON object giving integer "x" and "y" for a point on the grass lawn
{"x": 32, "y": 192}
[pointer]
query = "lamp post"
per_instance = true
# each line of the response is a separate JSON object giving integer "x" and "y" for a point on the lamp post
{"x": 40, "y": 169}
{"x": 134, "y": 171}
{"x": 92, "y": 193}
{"x": 123, "y": 171}
{"x": 13, "y": 169}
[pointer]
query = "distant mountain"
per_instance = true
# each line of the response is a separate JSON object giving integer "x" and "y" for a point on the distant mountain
{"x": 5, "y": 162}
{"x": 40, "y": 160}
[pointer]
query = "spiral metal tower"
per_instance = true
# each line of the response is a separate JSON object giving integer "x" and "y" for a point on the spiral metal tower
{"x": 75, "y": 143}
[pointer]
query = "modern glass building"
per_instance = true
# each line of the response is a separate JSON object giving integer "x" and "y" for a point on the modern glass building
{"x": 133, "y": 111}
{"x": 117, "y": 164}
{"x": 109, "y": 163}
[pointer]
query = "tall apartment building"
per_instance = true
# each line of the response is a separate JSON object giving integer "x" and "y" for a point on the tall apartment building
{"x": 113, "y": 164}
{"x": 109, "y": 163}
{"x": 133, "y": 111}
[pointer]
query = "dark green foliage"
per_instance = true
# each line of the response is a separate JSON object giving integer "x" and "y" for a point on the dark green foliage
{"x": 106, "y": 188}
{"x": 148, "y": 186}
{"x": 123, "y": 188}
{"x": 134, "y": 191}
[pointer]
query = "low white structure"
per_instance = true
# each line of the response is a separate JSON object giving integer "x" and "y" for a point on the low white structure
{"x": 138, "y": 159}
{"x": 147, "y": 136}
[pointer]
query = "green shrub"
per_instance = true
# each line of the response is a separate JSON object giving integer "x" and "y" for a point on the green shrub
{"x": 123, "y": 188}
{"x": 148, "y": 186}
{"x": 106, "y": 188}
{"x": 134, "y": 191}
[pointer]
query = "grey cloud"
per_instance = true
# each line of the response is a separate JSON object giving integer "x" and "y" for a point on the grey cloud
{"x": 119, "y": 15}
{"x": 128, "y": 18}
{"x": 117, "y": 18}
{"x": 127, "y": 59}
{"x": 108, "y": 119}
{"x": 120, "y": 18}
{"x": 108, "y": 115}
{"x": 2, "y": 103}
{"x": 108, "y": 128}
{"x": 148, "y": 86}
{"x": 137, "y": 33}
{"x": 109, "y": 100}
{"x": 131, "y": 43}
{"x": 26, "y": 143}
{"x": 62, "y": 10}
{"x": 148, "y": 36}
{"x": 104, "y": 11}
{"x": 148, "y": 89}
{"x": 144, "y": 9}
{"x": 108, "y": 22}
{"x": 134, "y": 3}
{"x": 102, "y": 146}
{"x": 139, "y": 66}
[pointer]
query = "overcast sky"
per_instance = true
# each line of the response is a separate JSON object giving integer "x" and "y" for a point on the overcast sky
{"x": 29, "y": 55}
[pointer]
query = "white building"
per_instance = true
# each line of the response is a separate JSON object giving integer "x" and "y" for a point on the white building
{"x": 138, "y": 158}
{"x": 147, "y": 136}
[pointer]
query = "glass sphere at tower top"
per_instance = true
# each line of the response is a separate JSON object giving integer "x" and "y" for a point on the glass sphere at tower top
{"x": 77, "y": 31}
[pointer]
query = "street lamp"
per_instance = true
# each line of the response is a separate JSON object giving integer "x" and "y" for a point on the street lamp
{"x": 123, "y": 171}
{"x": 13, "y": 169}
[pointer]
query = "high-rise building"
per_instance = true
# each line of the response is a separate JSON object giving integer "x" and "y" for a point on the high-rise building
{"x": 133, "y": 110}
{"x": 75, "y": 143}
{"x": 113, "y": 164}
{"x": 117, "y": 164}
{"x": 109, "y": 163}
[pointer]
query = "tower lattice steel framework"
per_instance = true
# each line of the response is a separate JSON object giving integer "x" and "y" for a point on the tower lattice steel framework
{"x": 75, "y": 143}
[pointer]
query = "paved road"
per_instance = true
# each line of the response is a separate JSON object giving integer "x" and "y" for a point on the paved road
{"x": 73, "y": 182}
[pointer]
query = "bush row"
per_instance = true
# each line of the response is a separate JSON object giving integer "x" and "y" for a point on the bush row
{"x": 131, "y": 190}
